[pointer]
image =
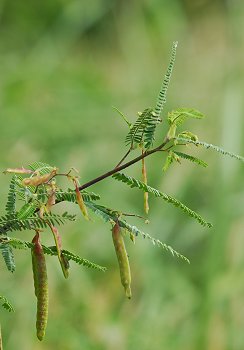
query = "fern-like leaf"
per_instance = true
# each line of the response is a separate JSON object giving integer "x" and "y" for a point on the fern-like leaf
{"x": 149, "y": 132}
{"x": 178, "y": 116}
{"x": 132, "y": 182}
{"x": 6, "y": 304}
{"x": 11, "y": 202}
{"x": 26, "y": 211}
{"x": 20, "y": 244}
{"x": 163, "y": 91}
{"x": 155, "y": 115}
{"x": 210, "y": 146}
{"x": 135, "y": 231}
{"x": 99, "y": 210}
{"x": 191, "y": 158}
{"x": 70, "y": 196}
{"x": 109, "y": 215}
{"x": 136, "y": 133}
{"x": 41, "y": 168}
{"x": 12, "y": 223}
{"x": 8, "y": 257}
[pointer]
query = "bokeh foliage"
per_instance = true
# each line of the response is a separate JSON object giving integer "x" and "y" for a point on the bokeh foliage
{"x": 63, "y": 65}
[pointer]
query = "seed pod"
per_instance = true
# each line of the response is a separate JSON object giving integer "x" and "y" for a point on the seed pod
{"x": 123, "y": 260}
{"x": 18, "y": 171}
{"x": 65, "y": 265}
{"x": 40, "y": 285}
{"x": 80, "y": 201}
{"x": 38, "y": 180}
{"x": 52, "y": 197}
{"x": 144, "y": 179}
{"x": 58, "y": 243}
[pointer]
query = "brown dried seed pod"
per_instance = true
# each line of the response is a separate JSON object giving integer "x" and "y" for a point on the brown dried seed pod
{"x": 123, "y": 260}
{"x": 41, "y": 286}
{"x": 51, "y": 197}
{"x": 38, "y": 180}
{"x": 18, "y": 171}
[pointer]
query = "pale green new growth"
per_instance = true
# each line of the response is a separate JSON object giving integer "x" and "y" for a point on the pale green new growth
{"x": 130, "y": 181}
{"x": 191, "y": 158}
{"x": 178, "y": 116}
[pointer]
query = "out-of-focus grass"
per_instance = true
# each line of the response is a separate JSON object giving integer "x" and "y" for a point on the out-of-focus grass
{"x": 62, "y": 67}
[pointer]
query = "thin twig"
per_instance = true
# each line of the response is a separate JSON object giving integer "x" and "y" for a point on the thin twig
{"x": 124, "y": 166}
{"x": 125, "y": 156}
{"x": 5, "y": 228}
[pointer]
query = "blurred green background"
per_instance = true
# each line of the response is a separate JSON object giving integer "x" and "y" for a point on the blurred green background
{"x": 63, "y": 65}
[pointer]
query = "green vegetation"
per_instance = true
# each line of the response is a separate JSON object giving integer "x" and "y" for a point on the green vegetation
{"x": 61, "y": 69}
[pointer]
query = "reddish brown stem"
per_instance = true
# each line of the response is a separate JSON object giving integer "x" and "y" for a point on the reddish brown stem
{"x": 123, "y": 166}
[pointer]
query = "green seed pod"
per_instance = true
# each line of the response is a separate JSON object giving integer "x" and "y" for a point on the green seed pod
{"x": 41, "y": 286}
{"x": 144, "y": 179}
{"x": 123, "y": 260}
{"x": 80, "y": 201}
{"x": 65, "y": 265}
{"x": 58, "y": 243}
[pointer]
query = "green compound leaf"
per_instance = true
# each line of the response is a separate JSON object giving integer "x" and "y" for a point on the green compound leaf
{"x": 20, "y": 244}
{"x": 139, "y": 128}
{"x": 163, "y": 91}
{"x": 109, "y": 215}
{"x": 6, "y": 304}
{"x": 8, "y": 256}
{"x": 26, "y": 211}
{"x": 11, "y": 202}
{"x": 41, "y": 168}
{"x": 210, "y": 146}
{"x": 12, "y": 223}
{"x": 191, "y": 158}
{"x": 70, "y": 196}
{"x": 132, "y": 182}
{"x": 178, "y": 116}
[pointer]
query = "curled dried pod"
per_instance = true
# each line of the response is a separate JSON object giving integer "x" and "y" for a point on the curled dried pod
{"x": 41, "y": 286}
{"x": 38, "y": 180}
{"x": 123, "y": 260}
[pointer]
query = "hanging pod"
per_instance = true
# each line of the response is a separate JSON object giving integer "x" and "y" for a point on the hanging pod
{"x": 58, "y": 243}
{"x": 80, "y": 200}
{"x": 40, "y": 285}
{"x": 123, "y": 260}
{"x": 144, "y": 179}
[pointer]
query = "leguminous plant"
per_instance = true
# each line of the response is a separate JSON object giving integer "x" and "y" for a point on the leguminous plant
{"x": 34, "y": 192}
